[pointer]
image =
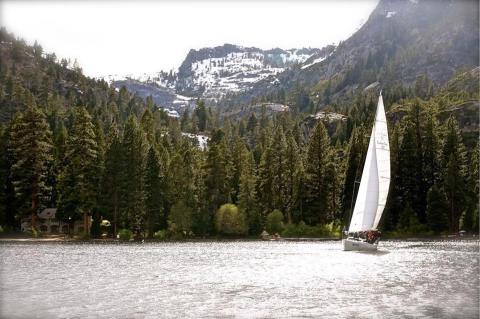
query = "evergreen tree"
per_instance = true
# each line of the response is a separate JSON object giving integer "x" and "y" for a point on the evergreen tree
{"x": 31, "y": 147}
{"x": 217, "y": 171}
{"x": 470, "y": 218}
{"x": 7, "y": 192}
{"x": 148, "y": 126}
{"x": 78, "y": 181}
{"x": 394, "y": 201}
{"x": 430, "y": 153}
{"x": 293, "y": 176}
{"x": 238, "y": 159}
{"x": 278, "y": 167}
{"x": 247, "y": 197}
{"x": 416, "y": 117}
{"x": 437, "y": 210}
{"x": 265, "y": 182}
{"x": 453, "y": 157}
{"x": 407, "y": 163}
{"x": 112, "y": 179}
{"x": 316, "y": 190}
{"x": 201, "y": 115}
{"x": 354, "y": 158}
{"x": 153, "y": 199}
{"x": 132, "y": 193}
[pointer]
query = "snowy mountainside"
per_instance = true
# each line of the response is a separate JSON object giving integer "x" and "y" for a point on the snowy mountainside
{"x": 214, "y": 73}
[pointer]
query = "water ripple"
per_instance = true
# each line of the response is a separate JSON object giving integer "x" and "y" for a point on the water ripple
{"x": 431, "y": 279}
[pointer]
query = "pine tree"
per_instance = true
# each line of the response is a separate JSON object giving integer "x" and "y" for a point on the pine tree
{"x": 247, "y": 197}
{"x": 354, "y": 157}
{"x": 148, "y": 126}
{"x": 201, "y": 115}
{"x": 32, "y": 151}
{"x": 112, "y": 179}
{"x": 78, "y": 182}
{"x": 453, "y": 158}
{"x": 416, "y": 117}
{"x": 132, "y": 194}
{"x": 293, "y": 176}
{"x": 278, "y": 167}
{"x": 265, "y": 182}
{"x": 430, "y": 153}
{"x": 394, "y": 201}
{"x": 238, "y": 158}
{"x": 218, "y": 173}
{"x": 437, "y": 210}
{"x": 153, "y": 200}
{"x": 316, "y": 190}
{"x": 7, "y": 192}
{"x": 407, "y": 165}
{"x": 471, "y": 216}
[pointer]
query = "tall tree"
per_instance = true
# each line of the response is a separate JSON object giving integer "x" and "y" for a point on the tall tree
{"x": 153, "y": 196}
{"x": 218, "y": 174}
{"x": 316, "y": 189}
{"x": 133, "y": 193}
{"x": 278, "y": 166}
{"x": 394, "y": 201}
{"x": 201, "y": 115}
{"x": 8, "y": 207}
{"x": 247, "y": 197}
{"x": 293, "y": 176}
{"x": 78, "y": 182}
{"x": 113, "y": 178}
{"x": 32, "y": 151}
{"x": 407, "y": 165}
{"x": 431, "y": 153}
{"x": 354, "y": 157}
{"x": 453, "y": 158}
{"x": 437, "y": 209}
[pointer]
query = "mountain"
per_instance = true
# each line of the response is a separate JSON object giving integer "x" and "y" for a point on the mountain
{"x": 216, "y": 73}
{"x": 402, "y": 40}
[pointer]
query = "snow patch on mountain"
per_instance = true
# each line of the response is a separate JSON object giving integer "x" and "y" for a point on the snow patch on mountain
{"x": 318, "y": 60}
{"x": 391, "y": 14}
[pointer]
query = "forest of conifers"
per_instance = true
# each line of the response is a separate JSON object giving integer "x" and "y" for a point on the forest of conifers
{"x": 77, "y": 144}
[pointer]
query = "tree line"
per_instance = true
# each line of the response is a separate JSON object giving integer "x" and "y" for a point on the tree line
{"x": 81, "y": 146}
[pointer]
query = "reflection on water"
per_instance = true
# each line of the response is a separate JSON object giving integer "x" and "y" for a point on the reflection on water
{"x": 437, "y": 279}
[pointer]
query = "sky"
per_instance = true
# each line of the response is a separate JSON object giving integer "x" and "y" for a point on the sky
{"x": 128, "y": 37}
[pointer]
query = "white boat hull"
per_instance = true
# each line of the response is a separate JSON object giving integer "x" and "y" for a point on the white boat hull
{"x": 352, "y": 244}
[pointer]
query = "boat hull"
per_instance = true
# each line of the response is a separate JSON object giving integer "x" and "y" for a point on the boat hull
{"x": 352, "y": 245}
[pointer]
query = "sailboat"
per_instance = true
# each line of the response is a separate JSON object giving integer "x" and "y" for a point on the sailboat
{"x": 373, "y": 191}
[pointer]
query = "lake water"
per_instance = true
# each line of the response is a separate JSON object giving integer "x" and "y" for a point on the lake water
{"x": 436, "y": 279}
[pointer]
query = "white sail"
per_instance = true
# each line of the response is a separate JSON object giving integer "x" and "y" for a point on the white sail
{"x": 373, "y": 191}
{"x": 382, "y": 148}
{"x": 366, "y": 204}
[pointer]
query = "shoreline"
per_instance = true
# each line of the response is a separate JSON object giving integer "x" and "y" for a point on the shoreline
{"x": 62, "y": 239}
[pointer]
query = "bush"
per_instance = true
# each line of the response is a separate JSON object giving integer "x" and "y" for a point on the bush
{"x": 36, "y": 233}
{"x": 125, "y": 234}
{"x": 1, "y": 229}
{"x": 275, "y": 222}
{"x": 229, "y": 220}
{"x": 318, "y": 231}
{"x": 180, "y": 218}
{"x": 161, "y": 234}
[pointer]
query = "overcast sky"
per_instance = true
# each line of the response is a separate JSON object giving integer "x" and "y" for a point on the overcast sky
{"x": 135, "y": 37}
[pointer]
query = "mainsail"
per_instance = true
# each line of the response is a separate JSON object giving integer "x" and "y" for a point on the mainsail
{"x": 373, "y": 191}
